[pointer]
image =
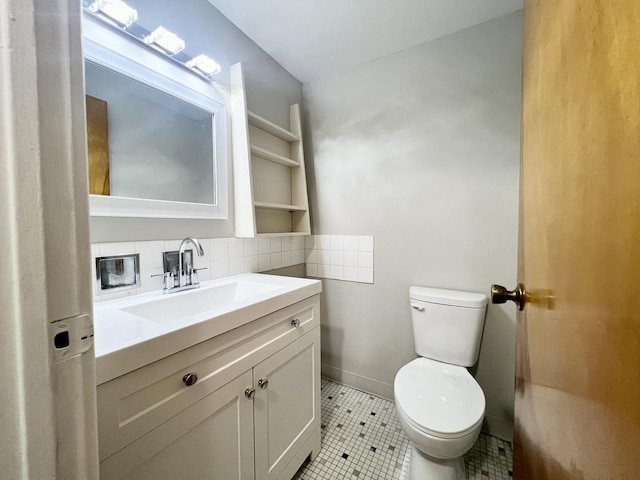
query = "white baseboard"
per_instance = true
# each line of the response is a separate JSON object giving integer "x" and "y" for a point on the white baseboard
{"x": 498, "y": 427}
{"x": 358, "y": 382}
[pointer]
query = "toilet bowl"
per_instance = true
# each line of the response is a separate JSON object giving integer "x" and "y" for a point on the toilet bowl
{"x": 440, "y": 405}
{"x": 440, "y": 408}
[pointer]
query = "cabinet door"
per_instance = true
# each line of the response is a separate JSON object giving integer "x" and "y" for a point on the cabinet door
{"x": 287, "y": 409}
{"x": 212, "y": 439}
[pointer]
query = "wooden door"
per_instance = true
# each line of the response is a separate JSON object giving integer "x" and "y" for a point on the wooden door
{"x": 578, "y": 340}
{"x": 98, "y": 145}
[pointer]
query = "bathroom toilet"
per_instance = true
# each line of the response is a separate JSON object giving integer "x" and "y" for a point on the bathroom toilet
{"x": 439, "y": 404}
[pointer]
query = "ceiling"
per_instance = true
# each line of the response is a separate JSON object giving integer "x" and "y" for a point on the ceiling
{"x": 314, "y": 38}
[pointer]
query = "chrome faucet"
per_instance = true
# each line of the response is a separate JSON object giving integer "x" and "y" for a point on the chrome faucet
{"x": 188, "y": 278}
{"x": 180, "y": 275}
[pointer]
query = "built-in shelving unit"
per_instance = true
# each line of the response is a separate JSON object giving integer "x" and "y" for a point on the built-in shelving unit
{"x": 270, "y": 186}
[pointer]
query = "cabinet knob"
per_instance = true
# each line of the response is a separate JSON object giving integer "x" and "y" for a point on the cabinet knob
{"x": 249, "y": 392}
{"x": 295, "y": 322}
{"x": 190, "y": 379}
{"x": 263, "y": 383}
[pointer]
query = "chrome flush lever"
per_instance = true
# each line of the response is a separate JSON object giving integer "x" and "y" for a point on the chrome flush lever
{"x": 418, "y": 307}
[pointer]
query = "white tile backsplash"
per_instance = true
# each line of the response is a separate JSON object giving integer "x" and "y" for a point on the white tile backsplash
{"x": 324, "y": 257}
{"x": 264, "y": 262}
{"x": 324, "y": 271}
{"x": 337, "y": 242}
{"x": 365, "y": 275}
{"x": 337, "y": 272}
{"x": 286, "y": 244}
{"x": 149, "y": 283}
{"x": 219, "y": 248}
{"x": 276, "y": 260}
{"x": 350, "y": 258}
{"x": 251, "y": 264}
{"x": 250, "y": 247}
{"x": 219, "y": 268}
{"x": 365, "y": 259}
{"x": 312, "y": 269}
{"x": 205, "y": 260}
{"x": 323, "y": 242}
{"x": 150, "y": 254}
{"x": 340, "y": 257}
{"x": 116, "y": 295}
{"x": 297, "y": 256}
{"x": 286, "y": 258}
{"x": 350, "y": 243}
{"x": 310, "y": 242}
{"x": 264, "y": 245}
{"x": 236, "y": 248}
{"x": 297, "y": 243}
{"x": 204, "y": 275}
{"x": 171, "y": 245}
{"x": 337, "y": 257}
{"x": 351, "y": 274}
{"x": 312, "y": 256}
{"x": 365, "y": 244}
{"x": 222, "y": 257}
{"x": 276, "y": 244}
{"x": 236, "y": 266}
{"x": 120, "y": 248}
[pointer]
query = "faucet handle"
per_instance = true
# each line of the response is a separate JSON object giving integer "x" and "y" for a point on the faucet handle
{"x": 194, "y": 275}
{"x": 169, "y": 281}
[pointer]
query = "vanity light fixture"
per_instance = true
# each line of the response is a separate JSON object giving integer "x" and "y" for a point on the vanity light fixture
{"x": 121, "y": 17}
{"x": 206, "y": 65}
{"x": 115, "y": 11}
{"x": 167, "y": 41}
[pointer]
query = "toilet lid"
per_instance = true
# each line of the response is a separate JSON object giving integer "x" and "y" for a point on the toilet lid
{"x": 441, "y": 399}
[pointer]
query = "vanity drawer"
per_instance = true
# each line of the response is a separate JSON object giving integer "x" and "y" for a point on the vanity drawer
{"x": 133, "y": 404}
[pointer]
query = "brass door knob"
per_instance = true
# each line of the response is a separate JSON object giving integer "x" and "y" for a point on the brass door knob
{"x": 499, "y": 294}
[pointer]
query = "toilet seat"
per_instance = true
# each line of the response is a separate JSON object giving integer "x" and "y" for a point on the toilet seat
{"x": 439, "y": 399}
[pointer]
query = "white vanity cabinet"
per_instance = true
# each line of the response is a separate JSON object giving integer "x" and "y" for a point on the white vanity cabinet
{"x": 254, "y": 411}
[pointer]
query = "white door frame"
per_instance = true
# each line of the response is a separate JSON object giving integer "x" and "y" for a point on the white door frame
{"x": 47, "y": 411}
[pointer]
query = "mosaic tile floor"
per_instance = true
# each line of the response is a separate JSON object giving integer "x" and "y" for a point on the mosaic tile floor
{"x": 362, "y": 439}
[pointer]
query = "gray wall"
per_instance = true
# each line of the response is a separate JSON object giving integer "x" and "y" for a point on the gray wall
{"x": 421, "y": 150}
{"x": 270, "y": 91}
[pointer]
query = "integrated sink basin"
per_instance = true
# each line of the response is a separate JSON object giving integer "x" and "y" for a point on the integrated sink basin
{"x": 175, "y": 307}
{"x": 135, "y": 331}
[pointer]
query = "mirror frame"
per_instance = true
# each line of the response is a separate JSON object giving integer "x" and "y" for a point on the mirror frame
{"x": 110, "y": 49}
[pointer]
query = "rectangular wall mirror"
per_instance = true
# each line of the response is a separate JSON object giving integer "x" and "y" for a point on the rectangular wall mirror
{"x": 157, "y": 145}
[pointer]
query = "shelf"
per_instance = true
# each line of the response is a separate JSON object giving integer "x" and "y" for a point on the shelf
{"x": 268, "y": 164}
{"x": 272, "y": 157}
{"x": 279, "y": 206}
{"x": 285, "y": 234}
{"x": 272, "y": 128}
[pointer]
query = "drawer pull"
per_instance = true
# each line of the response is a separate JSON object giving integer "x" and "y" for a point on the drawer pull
{"x": 295, "y": 322}
{"x": 249, "y": 392}
{"x": 263, "y": 383}
{"x": 190, "y": 379}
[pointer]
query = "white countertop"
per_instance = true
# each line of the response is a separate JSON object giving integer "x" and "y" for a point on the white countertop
{"x": 126, "y": 339}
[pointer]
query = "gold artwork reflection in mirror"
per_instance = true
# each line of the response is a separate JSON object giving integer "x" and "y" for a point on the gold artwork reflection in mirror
{"x": 98, "y": 145}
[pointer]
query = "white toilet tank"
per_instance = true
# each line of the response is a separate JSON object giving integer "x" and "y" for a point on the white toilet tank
{"x": 447, "y": 324}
